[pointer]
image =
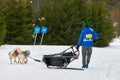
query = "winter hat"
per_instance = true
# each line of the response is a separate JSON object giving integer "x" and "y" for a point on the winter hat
{"x": 85, "y": 24}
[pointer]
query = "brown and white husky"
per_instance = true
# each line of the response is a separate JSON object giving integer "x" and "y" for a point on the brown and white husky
{"x": 18, "y": 56}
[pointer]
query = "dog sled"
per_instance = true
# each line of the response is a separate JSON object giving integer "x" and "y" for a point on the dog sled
{"x": 62, "y": 59}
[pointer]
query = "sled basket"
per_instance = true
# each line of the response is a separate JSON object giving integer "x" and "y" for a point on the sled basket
{"x": 60, "y": 60}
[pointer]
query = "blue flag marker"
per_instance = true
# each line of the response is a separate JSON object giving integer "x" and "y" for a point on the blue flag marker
{"x": 37, "y": 29}
{"x": 44, "y": 30}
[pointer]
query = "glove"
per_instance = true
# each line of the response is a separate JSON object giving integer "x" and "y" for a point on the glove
{"x": 77, "y": 47}
{"x": 76, "y": 56}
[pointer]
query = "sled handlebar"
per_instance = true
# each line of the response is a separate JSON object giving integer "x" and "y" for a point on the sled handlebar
{"x": 72, "y": 47}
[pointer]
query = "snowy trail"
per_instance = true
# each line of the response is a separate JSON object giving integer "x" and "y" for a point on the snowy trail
{"x": 104, "y": 65}
{"x": 109, "y": 62}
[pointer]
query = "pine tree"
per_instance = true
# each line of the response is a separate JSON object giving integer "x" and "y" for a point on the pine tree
{"x": 63, "y": 19}
{"x": 2, "y": 26}
{"x": 113, "y": 4}
{"x": 18, "y": 21}
{"x": 100, "y": 19}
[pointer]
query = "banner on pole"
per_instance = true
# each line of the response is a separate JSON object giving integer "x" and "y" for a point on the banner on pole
{"x": 44, "y": 30}
{"x": 37, "y": 29}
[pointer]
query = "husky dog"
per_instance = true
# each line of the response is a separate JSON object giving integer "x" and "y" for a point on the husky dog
{"x": 23, "y": 57}
{"x": 18, "y": 56}
{"x": 14, "y": 54}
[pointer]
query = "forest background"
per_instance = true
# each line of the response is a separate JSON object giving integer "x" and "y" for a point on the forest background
{"x": 63, "y": 18}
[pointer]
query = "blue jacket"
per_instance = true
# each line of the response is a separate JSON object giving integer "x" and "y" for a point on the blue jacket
{"x": 87, "y": 36}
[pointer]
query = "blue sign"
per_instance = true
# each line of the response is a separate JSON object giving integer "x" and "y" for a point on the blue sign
{"x": 44, "y": 30}
{"x": 37, "y": 29}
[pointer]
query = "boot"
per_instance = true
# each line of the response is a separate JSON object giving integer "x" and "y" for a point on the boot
{"x": 84, "y": 66}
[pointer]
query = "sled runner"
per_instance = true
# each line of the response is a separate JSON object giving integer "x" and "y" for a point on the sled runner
{"x": 61, "y": 60}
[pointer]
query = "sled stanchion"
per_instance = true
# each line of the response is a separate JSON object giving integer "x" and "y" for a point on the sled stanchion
{"x": 66, "y": 49}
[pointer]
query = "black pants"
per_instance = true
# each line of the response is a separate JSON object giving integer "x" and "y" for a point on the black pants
{"x": 86, "y": 54}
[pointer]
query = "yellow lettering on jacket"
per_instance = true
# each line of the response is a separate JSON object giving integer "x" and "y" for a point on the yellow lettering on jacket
{"x": 89, "y": 35}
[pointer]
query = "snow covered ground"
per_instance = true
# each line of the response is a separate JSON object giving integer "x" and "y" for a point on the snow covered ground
{"x": 105, "y": 64}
